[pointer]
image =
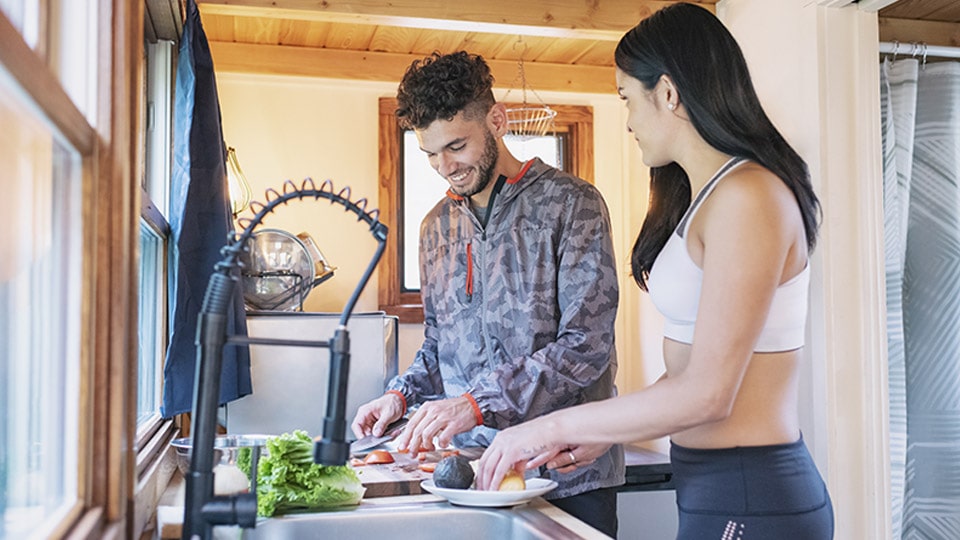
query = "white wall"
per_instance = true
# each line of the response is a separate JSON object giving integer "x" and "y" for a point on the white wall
{"x": 287, "y": 128}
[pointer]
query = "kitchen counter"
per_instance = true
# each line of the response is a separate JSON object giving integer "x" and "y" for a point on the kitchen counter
{"x": 400, "y": 482}
{"x": 170, "y": 512}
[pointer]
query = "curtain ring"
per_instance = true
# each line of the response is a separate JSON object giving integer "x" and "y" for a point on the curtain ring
{"x": 923, "y": 63}
{"x": 896, "y": 49}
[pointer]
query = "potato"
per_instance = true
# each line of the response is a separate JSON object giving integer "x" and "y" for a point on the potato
{"x": 513, "y": 481}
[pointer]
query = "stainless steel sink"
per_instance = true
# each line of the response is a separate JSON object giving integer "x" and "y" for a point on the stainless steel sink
{"x": 414, "y": 521}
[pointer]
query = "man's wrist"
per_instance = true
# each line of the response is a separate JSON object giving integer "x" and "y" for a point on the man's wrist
{"x": 477, "y": 414}
{"x": 400, "y": 396}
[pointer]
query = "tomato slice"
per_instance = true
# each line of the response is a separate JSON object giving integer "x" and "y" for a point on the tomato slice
{"x": 377, "y": 457}
{"x": 427, "y": 467}
{"x": 448, "y": 453}
{"x": 356, "y": 462}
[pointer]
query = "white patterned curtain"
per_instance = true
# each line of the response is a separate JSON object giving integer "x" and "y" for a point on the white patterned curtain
{"x": 920, "y": 108}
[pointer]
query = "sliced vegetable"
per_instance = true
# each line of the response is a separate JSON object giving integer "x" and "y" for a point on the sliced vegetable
{"x": 377, "y": 457}
{"x": 427, "y": 467}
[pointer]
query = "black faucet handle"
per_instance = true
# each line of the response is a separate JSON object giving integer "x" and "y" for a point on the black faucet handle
{"x": 327, "y": 452}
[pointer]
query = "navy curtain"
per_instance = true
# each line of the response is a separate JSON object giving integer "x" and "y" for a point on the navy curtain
{"x": 200, "y": 220}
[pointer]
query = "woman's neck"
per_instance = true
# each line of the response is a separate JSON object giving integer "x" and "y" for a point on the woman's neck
{"x": 701, "y": 164}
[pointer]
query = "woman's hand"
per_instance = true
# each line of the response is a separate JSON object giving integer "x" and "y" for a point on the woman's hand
{"x": 577, "y": 456}
{"x": 525, "y": 446}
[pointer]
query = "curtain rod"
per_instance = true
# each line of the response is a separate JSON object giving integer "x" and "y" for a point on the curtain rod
{"x": 919, "y": 50}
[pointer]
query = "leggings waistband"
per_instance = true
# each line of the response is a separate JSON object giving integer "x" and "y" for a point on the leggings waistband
{"x": 749, "y": 480}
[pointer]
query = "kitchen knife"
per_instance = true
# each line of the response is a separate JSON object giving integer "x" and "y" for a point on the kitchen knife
{"x": 370, "y": 441}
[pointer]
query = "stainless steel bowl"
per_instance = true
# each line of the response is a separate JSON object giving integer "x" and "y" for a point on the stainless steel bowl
{"x": 225, "y": 448}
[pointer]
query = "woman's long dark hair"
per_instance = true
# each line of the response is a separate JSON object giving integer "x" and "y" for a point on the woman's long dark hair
{"x": 692, "y": 47}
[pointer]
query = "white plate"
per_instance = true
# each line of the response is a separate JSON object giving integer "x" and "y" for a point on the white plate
{"x": 472, "y": 497}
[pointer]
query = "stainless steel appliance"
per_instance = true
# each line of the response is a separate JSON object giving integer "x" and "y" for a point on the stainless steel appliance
{"x": 289, "y": 383}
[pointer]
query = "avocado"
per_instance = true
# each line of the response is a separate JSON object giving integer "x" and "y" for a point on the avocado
{"x": 453, "y": 472}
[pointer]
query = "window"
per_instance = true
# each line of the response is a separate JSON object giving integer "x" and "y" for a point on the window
{"x": 40, "y": 302}
{"x": 403, "y": 204}
{"x": 154, "y": 234}
{"x": 41, "y": 273}
{"x": 152, "y": 328}
{"x": 67, "y": 261}
{"x": 25, "y": 17}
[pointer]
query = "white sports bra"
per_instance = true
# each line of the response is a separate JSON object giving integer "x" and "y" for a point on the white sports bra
{"x": 675, "y": 282}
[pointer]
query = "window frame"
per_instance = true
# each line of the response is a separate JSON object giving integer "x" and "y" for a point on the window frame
{"x": 29, "y": 69}
{"x": 156, "y": 168}
{"x": 576, "y": 121}
{"x": 107, "y": 141}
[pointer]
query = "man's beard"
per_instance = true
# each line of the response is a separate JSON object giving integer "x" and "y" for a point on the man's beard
{"x": 491, "y": 153}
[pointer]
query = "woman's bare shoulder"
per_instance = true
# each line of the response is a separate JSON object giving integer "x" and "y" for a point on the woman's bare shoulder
{"x": 753, "y": 192}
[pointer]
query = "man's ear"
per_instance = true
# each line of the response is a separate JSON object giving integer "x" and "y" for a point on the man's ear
{"x": 497, "y": 119}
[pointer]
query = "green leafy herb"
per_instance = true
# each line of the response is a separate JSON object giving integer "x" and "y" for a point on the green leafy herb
{"x": 289, "y": 481}
{"x": 245, "y": 459}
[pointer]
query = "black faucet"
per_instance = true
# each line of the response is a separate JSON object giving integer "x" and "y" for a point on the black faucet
{"x": 202, "y": 510}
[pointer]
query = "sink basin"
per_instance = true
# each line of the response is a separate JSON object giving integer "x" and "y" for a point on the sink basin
{"x": 414, "y": 521}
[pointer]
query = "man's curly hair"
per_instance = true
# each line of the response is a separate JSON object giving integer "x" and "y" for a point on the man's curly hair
{"x": 441, "y": 85}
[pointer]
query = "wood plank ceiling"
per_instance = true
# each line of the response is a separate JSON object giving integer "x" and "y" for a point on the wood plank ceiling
{"x": 934, "y": 22}
{"x": 564, "y": 45}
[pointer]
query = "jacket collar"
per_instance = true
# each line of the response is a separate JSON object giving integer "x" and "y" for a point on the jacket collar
{"x": 510, "y": 181}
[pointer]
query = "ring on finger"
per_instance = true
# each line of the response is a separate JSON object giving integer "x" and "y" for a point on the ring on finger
{"x": 573, "y": 458}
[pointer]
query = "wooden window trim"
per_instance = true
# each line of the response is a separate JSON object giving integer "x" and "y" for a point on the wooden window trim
{"x": 108, "y": 332}
{"x": 574, "y": 120}
{"x": 29, "y": 70}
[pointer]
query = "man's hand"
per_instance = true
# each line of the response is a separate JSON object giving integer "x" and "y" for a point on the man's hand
{"x": 374, "y": 416}
{"x": 440, "y": 419}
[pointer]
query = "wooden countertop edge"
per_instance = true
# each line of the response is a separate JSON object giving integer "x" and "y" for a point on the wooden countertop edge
{"x": 575, "y": 525}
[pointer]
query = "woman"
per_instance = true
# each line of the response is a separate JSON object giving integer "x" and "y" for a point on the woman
{"x": 730, "y": 273}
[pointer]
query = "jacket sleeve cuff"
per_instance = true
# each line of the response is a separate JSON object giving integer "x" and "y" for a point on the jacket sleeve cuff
{"x": 476, "y": 409}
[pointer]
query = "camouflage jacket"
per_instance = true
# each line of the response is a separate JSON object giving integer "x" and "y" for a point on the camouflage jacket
{"x": 520, "y": 314}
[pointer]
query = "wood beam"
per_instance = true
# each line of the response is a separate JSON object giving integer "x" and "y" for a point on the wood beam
{"x": 906, "y": 31}
{"x": 389, "y": 67}
{"x": 598, "y": 19}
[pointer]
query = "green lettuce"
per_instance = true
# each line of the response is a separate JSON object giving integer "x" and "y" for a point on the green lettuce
{"x": 289, "y": 481}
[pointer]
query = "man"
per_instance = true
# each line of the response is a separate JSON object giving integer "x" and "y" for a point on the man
{"x": 519, "y": 289}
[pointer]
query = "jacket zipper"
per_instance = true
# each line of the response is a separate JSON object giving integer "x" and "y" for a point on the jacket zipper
{"x": 469, "y": 271}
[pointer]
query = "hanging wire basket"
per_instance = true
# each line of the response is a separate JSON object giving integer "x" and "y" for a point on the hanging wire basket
{"x": 529, "y": 120}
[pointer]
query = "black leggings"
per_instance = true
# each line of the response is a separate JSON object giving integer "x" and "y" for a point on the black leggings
{"x": 750, "y": 493}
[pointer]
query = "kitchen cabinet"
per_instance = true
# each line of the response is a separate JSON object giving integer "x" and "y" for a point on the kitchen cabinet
{"x": 647, "y": 503}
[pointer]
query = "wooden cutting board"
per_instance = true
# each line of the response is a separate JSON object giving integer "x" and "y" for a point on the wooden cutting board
{"x": 403, "y": 476}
